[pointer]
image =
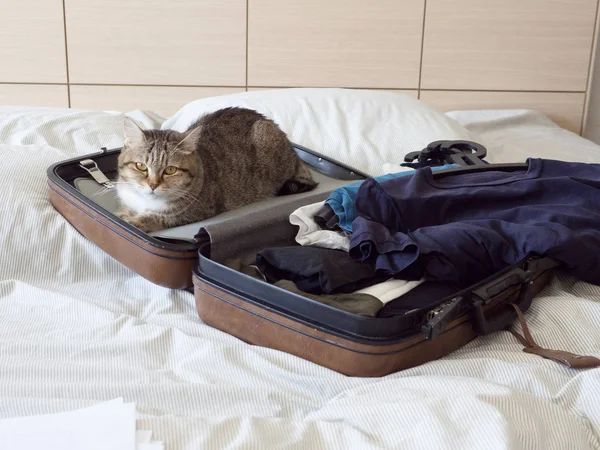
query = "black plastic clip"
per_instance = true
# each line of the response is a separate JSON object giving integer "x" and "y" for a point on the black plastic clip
{"x": 438, "y": 153}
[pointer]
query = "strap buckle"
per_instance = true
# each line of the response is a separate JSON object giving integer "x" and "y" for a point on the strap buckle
{"x": 91, "y": 167}
{"x": 569, "y": 359}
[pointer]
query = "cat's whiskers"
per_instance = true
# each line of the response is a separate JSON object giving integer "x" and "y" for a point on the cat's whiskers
{"x": 123, "y": 182}
{"x": 101, "y": 192}
{"x": 186, "y": 198}
{"x": 185, "y": 195}
{"x": 106, "y": 189}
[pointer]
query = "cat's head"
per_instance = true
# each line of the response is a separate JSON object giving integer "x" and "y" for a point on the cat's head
{"x": 158, "y": 165}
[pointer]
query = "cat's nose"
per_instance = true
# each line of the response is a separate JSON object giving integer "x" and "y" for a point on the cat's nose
{"x": 153, "y": 186}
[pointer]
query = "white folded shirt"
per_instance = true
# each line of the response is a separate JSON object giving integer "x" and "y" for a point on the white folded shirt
{"x": 389, "y": 290}
{"x": 310, "y": 234}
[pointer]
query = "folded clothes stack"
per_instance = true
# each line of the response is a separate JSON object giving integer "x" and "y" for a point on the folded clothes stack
{"x": 376, "y": 247}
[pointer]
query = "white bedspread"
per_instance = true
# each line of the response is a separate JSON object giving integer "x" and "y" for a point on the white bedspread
{"x": 77, "y": 328}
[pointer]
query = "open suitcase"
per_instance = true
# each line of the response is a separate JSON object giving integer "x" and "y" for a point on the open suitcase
{"x": 192, "y": 257}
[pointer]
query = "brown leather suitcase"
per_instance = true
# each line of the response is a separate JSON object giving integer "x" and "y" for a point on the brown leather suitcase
{"x": 192, "y": 257}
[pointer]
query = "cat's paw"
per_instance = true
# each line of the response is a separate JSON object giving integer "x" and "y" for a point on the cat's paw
{"x": 141, "y": 224}
{"x": 132, "y": 220}
{"x": 146, "y": 224}
{"x": 125, "y": 215}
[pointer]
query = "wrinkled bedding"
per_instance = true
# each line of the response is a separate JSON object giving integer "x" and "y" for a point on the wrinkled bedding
{"x": 78, "y": 328}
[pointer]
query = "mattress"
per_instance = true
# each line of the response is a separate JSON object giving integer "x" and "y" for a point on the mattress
{"x": 78, "y": 328}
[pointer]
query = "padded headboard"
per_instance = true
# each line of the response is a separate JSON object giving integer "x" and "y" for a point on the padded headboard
{"x": 158, "y": 55}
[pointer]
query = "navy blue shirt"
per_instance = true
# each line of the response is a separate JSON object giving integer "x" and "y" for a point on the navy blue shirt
{"x": 465, "y": 227}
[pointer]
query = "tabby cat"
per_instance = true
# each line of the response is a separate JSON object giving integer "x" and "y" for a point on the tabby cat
{"x": 226, "y": 159}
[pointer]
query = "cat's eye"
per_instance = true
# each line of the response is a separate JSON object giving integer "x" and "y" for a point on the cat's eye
{"x": 141, "y": 166}
{"x": 170, "y": 170}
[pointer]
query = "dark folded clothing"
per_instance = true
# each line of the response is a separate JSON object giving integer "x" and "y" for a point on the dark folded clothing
{"x": 465, "y": 227}
{"x": 360, "y": 304}
{"x": 237, "y": 264}
{"x": 316, "y": 270}
{"x": 424, "y": 296}
{"x": 327, "y": 219}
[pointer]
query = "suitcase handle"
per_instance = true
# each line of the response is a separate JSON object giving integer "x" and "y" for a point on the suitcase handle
{"x": 437, "y": 153}
{"x": 483, "y": 325}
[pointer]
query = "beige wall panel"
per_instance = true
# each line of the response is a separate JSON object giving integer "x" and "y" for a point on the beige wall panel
{"x": 536, "y": 45}
{"x": 346, "y": 43}
{"x": 32, "y": 44}
{"x": 413, "y": 93}
{"x": 185, "y": 42}
{"x": 566, "y": 109}
{"x": 54, "y": 96}
{"x": 163, "y": 100}
{"x": 591, "y": 127}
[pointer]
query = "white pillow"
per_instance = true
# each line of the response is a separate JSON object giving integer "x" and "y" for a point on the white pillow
{"x": 361, "y": 128}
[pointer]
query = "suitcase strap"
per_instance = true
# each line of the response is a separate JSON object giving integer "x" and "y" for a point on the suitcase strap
{"x": 567, "y": 358}
{"x": 92, "y": 168}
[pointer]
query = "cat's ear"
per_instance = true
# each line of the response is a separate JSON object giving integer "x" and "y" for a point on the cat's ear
{"x": 186, "y": 145}
{"x": 134, "y": 135}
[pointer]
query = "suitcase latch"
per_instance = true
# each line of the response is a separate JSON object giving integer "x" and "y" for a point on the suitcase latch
{"x": 91, "y": 167}
{"x": 440, "y": 317}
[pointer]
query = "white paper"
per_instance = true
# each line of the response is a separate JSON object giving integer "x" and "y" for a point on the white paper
{"x": 154, "y": 445}
{"x": 107, "y": 426}
{"x": 143, "y": 437}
